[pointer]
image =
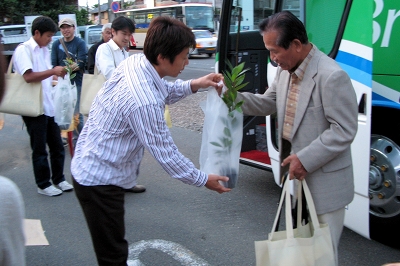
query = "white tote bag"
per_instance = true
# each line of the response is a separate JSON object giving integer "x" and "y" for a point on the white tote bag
{"x": 307, "y": 245}
{"x": 91, "y": 84}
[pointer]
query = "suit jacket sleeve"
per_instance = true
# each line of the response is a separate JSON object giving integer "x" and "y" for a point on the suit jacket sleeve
{"x": 260, "y": 104}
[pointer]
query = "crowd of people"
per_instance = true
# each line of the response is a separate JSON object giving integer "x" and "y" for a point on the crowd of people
{"x": 312, "y": 95}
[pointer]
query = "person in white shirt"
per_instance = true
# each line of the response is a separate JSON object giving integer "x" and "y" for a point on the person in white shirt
{"x": 32, "y": 61}
{"x": 126, "y": 117}
{"x": 110, "y": 54}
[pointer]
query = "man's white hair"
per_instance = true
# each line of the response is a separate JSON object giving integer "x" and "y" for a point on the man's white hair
{"x": 106, "y": 26}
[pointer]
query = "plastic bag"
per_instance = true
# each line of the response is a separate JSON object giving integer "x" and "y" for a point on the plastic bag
{"x": 65, "y": 97}
{"x": 221, "y": 139}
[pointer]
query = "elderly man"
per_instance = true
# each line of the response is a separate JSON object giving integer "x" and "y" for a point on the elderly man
{"x": 317, "y": 116}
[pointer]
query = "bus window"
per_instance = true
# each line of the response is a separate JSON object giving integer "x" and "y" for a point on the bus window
{"x": 323, "y": 35}
{"x": 195, "y": 16}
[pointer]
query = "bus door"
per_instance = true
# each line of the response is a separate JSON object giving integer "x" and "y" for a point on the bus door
{"x": 240, "y": 41}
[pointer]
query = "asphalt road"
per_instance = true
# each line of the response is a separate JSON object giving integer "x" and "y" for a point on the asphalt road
{"x": 171, "y": 223}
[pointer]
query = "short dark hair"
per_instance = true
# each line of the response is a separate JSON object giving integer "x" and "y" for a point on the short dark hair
{"x": 43, "y": 24}
{"x": 121, "y": 23}
{"x": 167, "y": 37}
{"x": 287, "y": 25}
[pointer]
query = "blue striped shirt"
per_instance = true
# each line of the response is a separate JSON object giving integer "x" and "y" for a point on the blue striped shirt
{"x": 127, "y": 115}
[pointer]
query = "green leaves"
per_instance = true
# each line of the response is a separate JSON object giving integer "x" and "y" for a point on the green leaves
{"x": 234, "y": 79}
{"x": 70, "y": 66}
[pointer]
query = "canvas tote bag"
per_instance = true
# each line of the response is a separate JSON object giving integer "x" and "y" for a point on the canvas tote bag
{"x": 91, "y": 84}
{"x": 21, "y": 98}
{"x": 307, "y": 245}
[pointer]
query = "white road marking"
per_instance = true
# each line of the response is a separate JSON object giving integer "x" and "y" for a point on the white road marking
{"x": 176, "y": 251}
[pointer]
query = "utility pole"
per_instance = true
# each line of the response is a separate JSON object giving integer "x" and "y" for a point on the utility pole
{"x": 99, "y": 22}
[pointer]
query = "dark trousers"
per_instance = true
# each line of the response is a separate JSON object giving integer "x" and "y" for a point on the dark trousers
{"x": 103, "y": 207}
{"x": 44, "y": 130}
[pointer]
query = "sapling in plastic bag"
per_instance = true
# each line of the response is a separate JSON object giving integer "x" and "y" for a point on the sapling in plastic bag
{"x": 65, "y": 97}
{"x": 223, "y": 128}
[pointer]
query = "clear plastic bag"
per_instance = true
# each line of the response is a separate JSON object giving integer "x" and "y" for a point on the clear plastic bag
{"x": 221, "y": 139}
{"x": 65, "y": 97}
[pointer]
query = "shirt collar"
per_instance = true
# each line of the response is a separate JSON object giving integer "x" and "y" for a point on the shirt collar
{"x": 299, "y": 72}
{"x": 33, "y": 44}
{"x": 113, "y": 45}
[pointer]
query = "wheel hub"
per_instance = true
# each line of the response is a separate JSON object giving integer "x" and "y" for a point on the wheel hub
{"x": 384, "y": 177}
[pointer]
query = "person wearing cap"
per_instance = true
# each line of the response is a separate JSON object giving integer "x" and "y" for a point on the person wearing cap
{"x": 109, "y": 55}
{"x": 77, "y": 51}
{"x": 32, "y": 61}
{"x": 105, "y": 37}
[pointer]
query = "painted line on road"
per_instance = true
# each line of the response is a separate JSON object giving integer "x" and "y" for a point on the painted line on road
{"x": 176, "y": 251}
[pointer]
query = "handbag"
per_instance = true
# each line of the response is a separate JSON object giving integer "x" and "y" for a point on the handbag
{"x": 307, "y": 245}
{"x": 91, "y": 84}
{"x": 20, "y": 97}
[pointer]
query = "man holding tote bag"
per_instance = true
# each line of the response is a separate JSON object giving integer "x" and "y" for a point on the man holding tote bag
{"x": 317, "y": 116}
{"x": 32, "y": 61}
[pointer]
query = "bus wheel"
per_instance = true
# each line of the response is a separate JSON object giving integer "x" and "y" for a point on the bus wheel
{"x": 384, "y": 190}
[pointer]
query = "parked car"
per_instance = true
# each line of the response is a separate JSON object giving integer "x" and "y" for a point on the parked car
{"x": 55, "y": 37}
{"x": 206, "y": 43}
{"x": 11, "y": 36}
{"x": 90, "y": 34}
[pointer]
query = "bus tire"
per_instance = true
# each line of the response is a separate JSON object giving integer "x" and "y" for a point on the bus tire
{"x": 385, "y": 213}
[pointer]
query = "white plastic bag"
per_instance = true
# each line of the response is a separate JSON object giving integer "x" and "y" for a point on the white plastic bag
{"x": 65, "y": 97}
{"x": 221, "y": 139}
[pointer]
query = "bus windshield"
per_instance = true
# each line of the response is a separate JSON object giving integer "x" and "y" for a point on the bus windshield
{"x": 199, "y": 17}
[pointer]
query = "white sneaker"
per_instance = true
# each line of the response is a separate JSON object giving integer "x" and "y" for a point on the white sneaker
{"x": 65, "y": 186}
{"x": 50, "y": 191}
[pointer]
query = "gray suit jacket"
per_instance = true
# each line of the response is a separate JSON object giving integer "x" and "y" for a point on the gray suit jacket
{"x": 324, "y": 127}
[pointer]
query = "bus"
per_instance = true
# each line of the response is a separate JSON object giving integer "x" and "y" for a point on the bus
{"x": 363, "y": 36}
{"x": 195, "y": 16}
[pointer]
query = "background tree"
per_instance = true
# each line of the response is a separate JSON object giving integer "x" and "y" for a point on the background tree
{"x": 13, "y": 11}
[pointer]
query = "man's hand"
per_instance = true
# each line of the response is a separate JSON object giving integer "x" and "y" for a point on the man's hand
{"x": 59, "y": 71}
{"x": 296, "y": 168}
{"x": 74, "y": 67}
{"x": 213, "y": 184}
{"x": 210, "y": 80}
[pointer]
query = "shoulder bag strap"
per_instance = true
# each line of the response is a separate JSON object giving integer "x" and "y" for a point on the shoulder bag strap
{"x": 10, "y": 66}
{"x": 112, "y": 52}
{"x": 65, "y": 48}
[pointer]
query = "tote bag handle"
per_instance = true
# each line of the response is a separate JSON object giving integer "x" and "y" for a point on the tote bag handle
{"x": 288, "y": 208}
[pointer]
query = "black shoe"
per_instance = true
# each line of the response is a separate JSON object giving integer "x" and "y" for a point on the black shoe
{"x": 136, "y": 189}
